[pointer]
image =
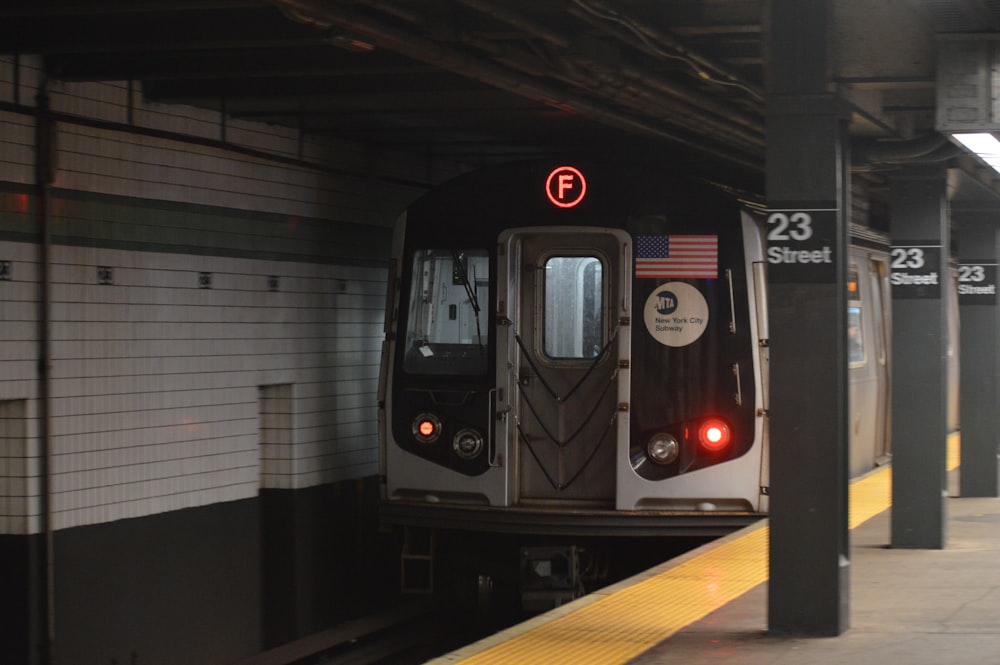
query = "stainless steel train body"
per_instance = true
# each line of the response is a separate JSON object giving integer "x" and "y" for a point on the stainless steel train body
{"x": 570, "y": 346}
{"x": 869, "y": 325}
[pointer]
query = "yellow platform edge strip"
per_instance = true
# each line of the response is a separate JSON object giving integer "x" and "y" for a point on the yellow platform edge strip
{"x": 585, "y": 635}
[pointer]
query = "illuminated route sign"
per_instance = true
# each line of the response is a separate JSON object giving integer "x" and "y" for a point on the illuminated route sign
{"x": 565, "y": 187}
{"x": 913, "y": 270}
{"x": 800, "y": 245}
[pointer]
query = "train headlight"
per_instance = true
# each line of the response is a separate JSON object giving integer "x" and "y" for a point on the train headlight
{"x": 467, "y": 443}
{"x": 663, "y": 448}
{"x": 714, "y": 435}
{"x": 426, "y": 428}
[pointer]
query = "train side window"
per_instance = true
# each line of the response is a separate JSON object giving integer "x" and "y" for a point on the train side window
{"x": 853, "y": 287}
{"x": 446, "y": 325}
{"x": 855, "y": 340}
{"x": 855, "y": 337}
{"x": 573, "y": 307}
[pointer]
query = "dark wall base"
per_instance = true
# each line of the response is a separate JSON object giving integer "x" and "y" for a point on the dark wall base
{"x": 207, "y": 585}
{"x": 19, "y": 563}
{"x": 178, "y": 587}
{"x": 323, "y": 559}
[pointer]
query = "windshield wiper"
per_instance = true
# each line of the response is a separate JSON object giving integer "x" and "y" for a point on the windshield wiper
{"x": 469, "y": 291}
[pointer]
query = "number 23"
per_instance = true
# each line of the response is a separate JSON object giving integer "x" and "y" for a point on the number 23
{"x": 907, "y": 257}
{"x": 797, "y": 226}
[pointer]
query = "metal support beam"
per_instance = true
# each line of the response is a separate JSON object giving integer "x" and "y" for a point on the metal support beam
{"x": 921, "y": 284}
{"x": 978, "y": 241}
{"x": 807, "y": 171}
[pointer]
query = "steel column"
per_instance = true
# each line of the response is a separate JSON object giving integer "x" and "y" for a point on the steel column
{"x": 807, "y": 172}
{"x": 920, "y": 285}
{"x": 978, "y": 240}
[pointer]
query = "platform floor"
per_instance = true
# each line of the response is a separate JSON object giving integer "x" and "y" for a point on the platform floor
{"x": 710, "y": 605}
{"x": 907, "y": 606}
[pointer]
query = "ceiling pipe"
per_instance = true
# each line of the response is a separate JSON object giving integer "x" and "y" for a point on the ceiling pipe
{"x": 528, "y": 25}
{"x": 929, "y": 148}
{"x": 684, "y": 108}
{"x": 896, "y": 150}
{"x": 656, "y": 41}
{"x": 327, "y": 15}
{"x": 677, "y": 111}
{"x": 701, "y": 103}
{"x": 394, "y": 9}
{"x": 675, "y": 107}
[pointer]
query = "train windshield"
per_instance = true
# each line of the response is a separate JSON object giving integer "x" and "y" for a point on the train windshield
{"x": 445, "y": 332}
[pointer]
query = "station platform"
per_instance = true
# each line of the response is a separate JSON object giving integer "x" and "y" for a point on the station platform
{"x": 710, "y": 605}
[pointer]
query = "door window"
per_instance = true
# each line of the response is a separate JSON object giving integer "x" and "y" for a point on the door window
{"x": 572, "y": 307}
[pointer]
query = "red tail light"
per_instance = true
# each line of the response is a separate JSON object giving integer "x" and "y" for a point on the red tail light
{"x": 714, "y": 435}
{"x": 426, "y": 428}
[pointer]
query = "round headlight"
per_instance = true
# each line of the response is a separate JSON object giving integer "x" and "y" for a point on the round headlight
{"x": 467, "y": 443}
{"x": 663, "y": 448}
{"x": 426, "y": 428}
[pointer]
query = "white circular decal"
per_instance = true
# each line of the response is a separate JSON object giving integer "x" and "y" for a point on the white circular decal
{"x": 676, "y": 314}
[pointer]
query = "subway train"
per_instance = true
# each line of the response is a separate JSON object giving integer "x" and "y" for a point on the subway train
{"x": 576, "y": 349}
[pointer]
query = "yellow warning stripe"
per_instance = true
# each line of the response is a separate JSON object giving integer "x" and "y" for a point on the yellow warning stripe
{"x": 954, "y": 451}
{"x": 624, "y": 623}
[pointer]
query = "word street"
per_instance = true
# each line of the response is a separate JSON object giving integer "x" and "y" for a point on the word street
{"x": 903, "y": 278}
{"x": 969, "y": 290}
{"x": 787, "y": 255}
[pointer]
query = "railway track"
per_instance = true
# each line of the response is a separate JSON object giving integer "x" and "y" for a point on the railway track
{"x": 407, "y": 634}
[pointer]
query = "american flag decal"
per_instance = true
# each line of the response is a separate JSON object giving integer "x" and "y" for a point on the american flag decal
{"x": 681, "y": 256}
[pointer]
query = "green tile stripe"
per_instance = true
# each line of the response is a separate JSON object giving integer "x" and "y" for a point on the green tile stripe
{"x": 119, "y": 222}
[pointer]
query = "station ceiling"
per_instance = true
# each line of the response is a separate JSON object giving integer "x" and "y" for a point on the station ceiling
{"x": 480, "y": 81}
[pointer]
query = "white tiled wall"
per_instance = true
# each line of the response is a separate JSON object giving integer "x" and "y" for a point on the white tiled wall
{"x": 277, "y": 434}
{"x": 156, "y": 382}
{"x": 91, "y": 159}
{"x": 18, "y": 469}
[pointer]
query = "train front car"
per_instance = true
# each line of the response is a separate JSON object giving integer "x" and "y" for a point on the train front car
{"x": 573, "y": 346}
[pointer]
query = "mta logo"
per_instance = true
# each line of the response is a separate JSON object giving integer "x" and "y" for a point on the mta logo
{"x": 666, "y": 302}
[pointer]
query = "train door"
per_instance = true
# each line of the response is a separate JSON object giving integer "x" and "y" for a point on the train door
{"x": 563, "y": 299}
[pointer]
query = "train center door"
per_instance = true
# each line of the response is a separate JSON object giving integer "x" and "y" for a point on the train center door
{"x": 563, "y": 340}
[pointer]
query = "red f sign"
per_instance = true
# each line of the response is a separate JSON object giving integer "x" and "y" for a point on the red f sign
{"x": 565, "y": 187}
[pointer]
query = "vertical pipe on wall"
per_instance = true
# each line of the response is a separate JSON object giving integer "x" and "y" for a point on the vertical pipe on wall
{"x": 44, "y": 171}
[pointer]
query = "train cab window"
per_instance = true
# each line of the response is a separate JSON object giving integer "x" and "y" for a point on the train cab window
{"x": 573, "y": 302}
{"x": 446, "y": 326}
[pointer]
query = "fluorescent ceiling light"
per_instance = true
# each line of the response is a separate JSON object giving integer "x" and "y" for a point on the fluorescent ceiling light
{"x": 984, "y": 144}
